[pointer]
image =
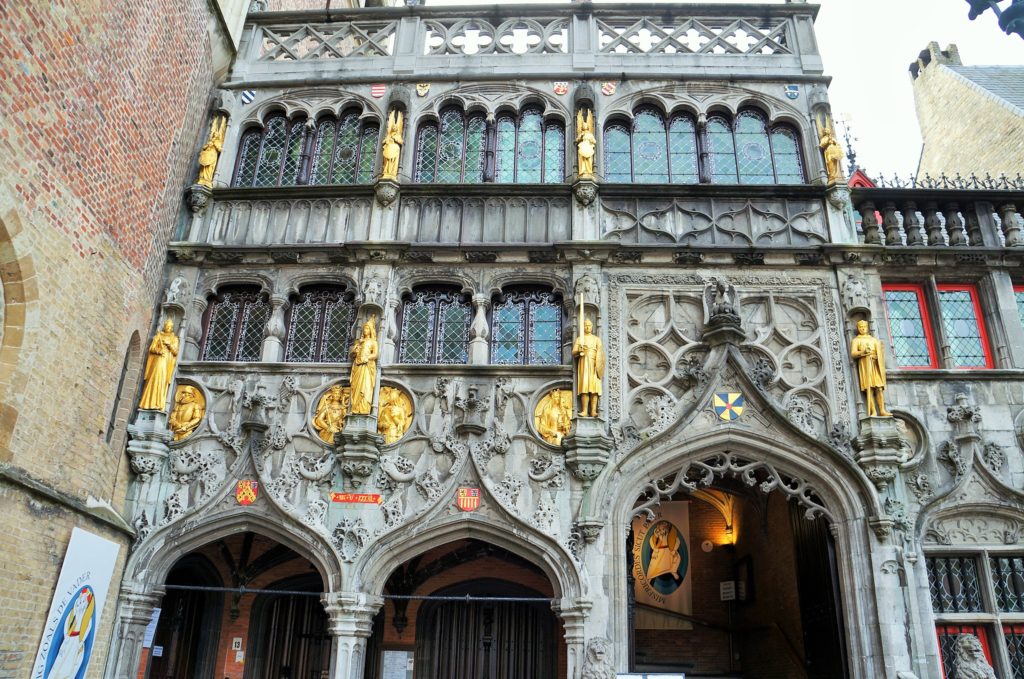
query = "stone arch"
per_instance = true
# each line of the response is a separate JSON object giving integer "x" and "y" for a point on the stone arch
{"x": 19, "y": 297}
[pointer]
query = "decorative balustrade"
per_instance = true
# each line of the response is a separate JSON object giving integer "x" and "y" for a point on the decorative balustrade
{"x": 941, "y": 217}
{"x": 675, "y": 35}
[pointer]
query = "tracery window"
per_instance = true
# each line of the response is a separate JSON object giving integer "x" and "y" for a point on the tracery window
{"x": 320, "y": 325}
{"x": 744, "y": 151}
{"x": 336, "y": 150}
{"x": 235, "y": 322}
{"x": 452, "y": 151}
{"x": 526, "y": 329}
{"x": 435, "y": 327}
{"x": 528, "y": 149}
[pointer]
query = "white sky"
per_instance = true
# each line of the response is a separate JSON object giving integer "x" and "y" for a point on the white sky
{"x": 867, "y": 47}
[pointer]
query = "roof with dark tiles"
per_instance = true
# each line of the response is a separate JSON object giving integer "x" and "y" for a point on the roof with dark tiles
{"x": 1005, "y": 82}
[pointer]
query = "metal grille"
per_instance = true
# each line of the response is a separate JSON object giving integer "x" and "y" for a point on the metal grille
{"x": 451, "y": 147}
{"x": 337, "y": 330}
{"x": 617, "y": 164}
{"x": 753, "y": 154}
{"x": 417, "y": 329}
{"x": 1014, "y": 635}
{"x": 954, "y": 584}
{"x": 268, "y": 169}
{"x": 505, "y": 159}
{"x": 526, "y": 329}
{"x": 682, "y": 144}
{"x": 1008, "y": 578}
{"x": 650, "y": 152}
{"x": 303, "y": 331}
{"x": 508, "y": 341}
{"x": 323, "y": 152}
{"x": 367, "y": 153}
{"x": 453, "y": 331}
{"x": 426, "y": 154}
{"x": 789, "y": 168}
{"x": 293, "y": 160}
{"x": 530, "y": 147}
{"x": 948, "y": 635}
{"x": 254, "y": 319}
{"x": 906, "y": 329}
{"x": 962, "y": 328}
{"x": 346, "y": 155}
{"x": 321, "y": 321}
{"x": 721, "y": 151}
{"x": 221, "y": 331}
{"x": 554, "y": 153}
{"x": 248, "y": 154}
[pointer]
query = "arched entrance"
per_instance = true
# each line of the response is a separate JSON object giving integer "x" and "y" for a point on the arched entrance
{"x": 241, "y": 607}
{"x": 725, "y": 580}
{"x": 468, "y": 610}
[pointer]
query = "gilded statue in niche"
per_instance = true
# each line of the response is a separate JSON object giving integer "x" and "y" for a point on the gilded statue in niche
{"x": 330, "y": 412}
{"x": 586, "y": 143}
{"x": 394, "y": 414}
{"x": 392, "y": 145}
{"x": 869, "y": 354}
{"x": 589, "y": 354}
{"x": 553, "y": 416}
{"x": 163, "y": 354}
{"x": 364, "y": 368}
{"x": 830, "y": 149}
{"x": 210, "y": 153}
{"x": 188, "y": 412}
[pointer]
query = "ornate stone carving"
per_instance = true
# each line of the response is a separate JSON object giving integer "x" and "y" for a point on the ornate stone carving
{"x": 855, "y": 294}
{"x": 993, "y": 457}
{"x": 349, "y": 537}
{"x": 691, "y": 374}
{"x": 547, "y": 472}
{"x": 839, "y": 436}
{"x": 974, "y": 530}
{"x": 920, "y": 485}
{"x": 508, "y": 490}
{"x": 881, "y": 476}
{"x": 585, "y": 192}
{"x": 798, "y": 410}
{"x": 949, "y": 454}
{"x": 429, "y": 485}
{"x": 375, "y": 291}
{"x": 177, "y": 293}
{"x": 970, "y": 660}
{"x": 598, "y": 663}
{"x": 964, "y": 416}
{"x": 386, "y": 192}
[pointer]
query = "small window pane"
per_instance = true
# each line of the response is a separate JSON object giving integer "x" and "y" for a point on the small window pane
{"x": 272, "y": 154}
{"x": 367, "y": 153}
{"x": 323, "y": 152}
{"x": 545, "y": 333}
{"x": 452, "y": 146}
{"x": 417, "y": 330}
{"x": 721, "y": 152}
{"x": 337, "y": 331}
{"x": 530, "y": 147}
{"x": 963, "y": 329}
{"x": 249, "y": 151}
{"x": 293, "y": 161}
{"x": 1008, "y": 578}
{"x": 453, "y": 332}
{"x": 906, "y": 329}
{"x": 954, "y": 584}
{"x": 509, "y": 332}
{"x": 476, "y": 133}
{"x": 682, "y": 138}
{"x": 650, "y": 155}
{"x": 554, "y": 153}
{"x": 1019, "y": 294}
{"x": 786, "y": 156}
{"x": 505, "y": 160}
{"x": 617, "y": 163}
{"x": 250, "y": 341}
{"x": 753, "y": 154}
{"x": 303, "y": 331}
{"x": 223, "y": 318}
{"x": 426, "y": 154}
{"x": 348, "y": 150}
{"x": 1015, "y": 647}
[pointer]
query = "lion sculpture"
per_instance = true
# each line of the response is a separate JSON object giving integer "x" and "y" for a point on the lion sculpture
{"x": 970, "y": 660}
{"x": 598, "y": 663}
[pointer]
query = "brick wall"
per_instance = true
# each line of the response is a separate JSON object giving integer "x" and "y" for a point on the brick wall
{"x": 102, "y": 106}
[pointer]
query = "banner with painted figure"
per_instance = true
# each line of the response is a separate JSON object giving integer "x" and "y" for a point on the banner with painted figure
{"x": 661, "y": 567}
{"x": 74, "y": 618}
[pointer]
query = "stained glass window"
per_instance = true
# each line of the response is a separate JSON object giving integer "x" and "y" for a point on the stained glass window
{"x": 721, "y": 151}
{"x": 962, "y": 327}
{"x": 319, "y": 328}
{"x": 682, "y": 144}
{"x": 235, "y": 325}
{"x": 530, "y": 147}
{"x": 753, "y": 153}
{"x": 435, "y": 327}
{"x": 554, "y": 152}
{"x": 911, "y": 344}
{"x": 650, "y": 152}
{"x": 789, "y": 168}
{"x": 248, "y": 155}
{"x": 272, "y": 152}
{"x": 426, "y": 153}
{"x": 526, "y": 328}
{"x": 618, "y": 167}
{"x": 505, "y": 153}
{"x": 452, "y": 153}
{"x": 528, "y": 150}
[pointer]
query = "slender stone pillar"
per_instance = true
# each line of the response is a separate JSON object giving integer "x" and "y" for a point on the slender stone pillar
{"x": 350, "y": 623}
{"x": 135, "y": 607}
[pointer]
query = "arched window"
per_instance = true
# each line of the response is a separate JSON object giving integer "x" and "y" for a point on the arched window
{"x": 235, "y": 321}
{"x": 526, "y": 329}
{"x": 453, "y": 152}
{"x": 649, "y": 152}
{"x": 721, "y": 151}
{"x": 753, "y": 152}
{"x": 287, "y": 152}
{"x": 748, "y": 153}
{"x": 320, "y": 326}
{"x": 789, "y": 168}
{"x": 435, "y": 327}
{"x": 528, "y": 150}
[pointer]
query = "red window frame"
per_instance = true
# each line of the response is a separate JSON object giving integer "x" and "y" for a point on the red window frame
{"x": 972, "y": 290}
{"x": 926, "y": 322}
{"x": 978, "y": 630}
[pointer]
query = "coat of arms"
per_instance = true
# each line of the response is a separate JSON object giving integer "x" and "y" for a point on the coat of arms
{"x": 792, "y": 91}
{"x": 561, "y": 87}
{"x": 468, "y": 499}
{"x": 377, "y": 91}
{"x": 728, "y": 405}
{"x": 422, "y": 89}
{"x": 608, "y": 88}
{"x": 246, "y": 492}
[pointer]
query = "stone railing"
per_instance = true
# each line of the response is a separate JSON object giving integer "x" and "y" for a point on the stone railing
{"x": 415, "y": 41}
{"x": 940, "y": 217}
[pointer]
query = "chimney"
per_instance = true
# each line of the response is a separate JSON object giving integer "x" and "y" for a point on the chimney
{"x": 949, "y": 56}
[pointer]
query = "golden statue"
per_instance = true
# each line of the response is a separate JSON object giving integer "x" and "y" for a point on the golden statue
{"x": 392, "y": 145}
{"x": 330, "y": 412}
{"x": 586, "y": 143}
{"x": 210, "y": 152}
{"x": 394, "y": 414}
{"x": 553, "y": 415}
{"x": 364, "y": 368}
{"x": 831, "y": 149}
{"x": 870, "y": 356}
{"x": 189, "y": 408}
{"x": 163, "y": 353}
{"x": 589, "y": 352}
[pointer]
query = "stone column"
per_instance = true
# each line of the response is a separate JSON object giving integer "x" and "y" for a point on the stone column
{"x": 479, "y": 331}
{"x": 193, "y": 328}
{"x": 273, "y": 340}
{"x": 350, "y": 623}
{"x": 574, "y": 618}
{"x": 135, "y": 606}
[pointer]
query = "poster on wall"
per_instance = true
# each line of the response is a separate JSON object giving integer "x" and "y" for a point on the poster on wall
{"x": 74, "y": 618}
{"x": 661, "y": 567}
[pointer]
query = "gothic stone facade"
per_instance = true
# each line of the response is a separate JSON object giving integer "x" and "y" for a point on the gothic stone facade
{"x": 942, "y": 477}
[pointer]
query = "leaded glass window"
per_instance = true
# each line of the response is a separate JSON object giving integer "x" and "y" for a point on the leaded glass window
{"x": 911, "y": 342}
{"x": 1018, "y": 293}
{"x": 648, "y": 152}
{"x": 618, "y": 168}
{"x": 789, "y": 167}
{"x": 248, "y": 155}
{"x": 320, "y": 326}
{"x": 435, "y": 327}
{"x": 650, "y": 147}
{"x": 1008, "y": 579}
{"x": 1014, "y": 635}
{"x": 452, "y": 152}
{"x": 526, "y": 328}
{"x": 962, "y": 327}
{"x": 528, "y": 150}
{"x": 753, "y": 152}
{"x": 954, "y": 584}
{"x": 235, "y": 325}
{"x": 682, "y": 144}
{"x": 721, "y": 151}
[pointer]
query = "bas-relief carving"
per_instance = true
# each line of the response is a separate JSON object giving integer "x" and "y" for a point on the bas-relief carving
{"x": 283, "y": 221}
{"x": 494, "y": 219}
{"x": 714, "y": 221}
{"x": 973, "y": 530}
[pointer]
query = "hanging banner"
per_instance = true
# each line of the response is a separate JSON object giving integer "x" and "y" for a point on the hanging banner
{"x": 661, "y": 566}
{"x": 71, "y": 625}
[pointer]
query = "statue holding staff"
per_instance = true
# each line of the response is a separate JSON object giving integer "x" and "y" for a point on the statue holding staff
{"x": 589, "y": 354}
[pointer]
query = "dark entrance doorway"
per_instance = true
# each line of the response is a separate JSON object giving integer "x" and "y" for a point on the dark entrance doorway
{"x": 288, "y": 633}
{"x": 189, "y": 626}
{"x": 485, "y": 639}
